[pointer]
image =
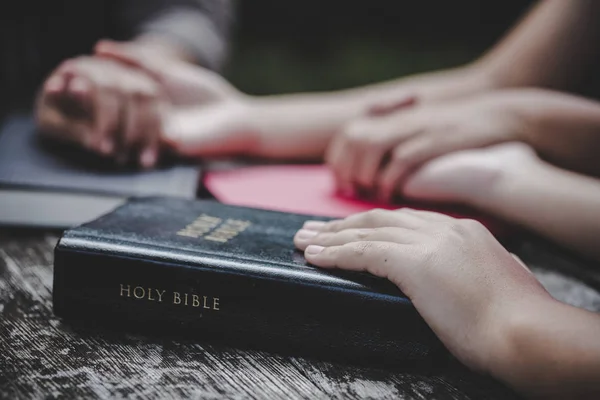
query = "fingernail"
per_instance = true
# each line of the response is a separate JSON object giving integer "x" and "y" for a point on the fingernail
{"x": 306, "y": 234}
{"x": 148, "y": 158}
{"x": 313, "y": 249}
{"x": 313, "y": 225}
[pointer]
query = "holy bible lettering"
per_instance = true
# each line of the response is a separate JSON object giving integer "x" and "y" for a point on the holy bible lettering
{"x": 214, "y": 229}
{"x": 176, "y": 298}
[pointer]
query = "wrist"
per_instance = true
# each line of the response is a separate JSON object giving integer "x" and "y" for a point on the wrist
{"x": 501, "y": 178}
{"x": 548, "y": 349}
{"x": 513, "y": 329}
{"x": 251, "y": 117}
{"x": 482, "y": 78}
{"x": 460, "y": 82}
{"x": 494, "y": 72}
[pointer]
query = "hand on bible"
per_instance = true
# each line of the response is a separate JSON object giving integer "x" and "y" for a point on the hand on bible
{"x": 105, "y": 106}
{"x": 464, "y": 284}
{"x": 378, "y": 153}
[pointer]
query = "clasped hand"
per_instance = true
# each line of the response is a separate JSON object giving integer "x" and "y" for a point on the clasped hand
{"x": 118, "y": 103}
{"x": 379, "y": 154}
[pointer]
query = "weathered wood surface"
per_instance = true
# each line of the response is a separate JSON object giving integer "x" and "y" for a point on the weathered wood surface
{"x": 40, "y": 357}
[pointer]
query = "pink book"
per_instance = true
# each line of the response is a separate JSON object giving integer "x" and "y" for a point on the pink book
{"x": 308, "y": 189}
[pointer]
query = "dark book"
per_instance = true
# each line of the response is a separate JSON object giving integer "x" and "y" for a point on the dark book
{"x": 228, "y": 273}
{"x": 48, "y": 184}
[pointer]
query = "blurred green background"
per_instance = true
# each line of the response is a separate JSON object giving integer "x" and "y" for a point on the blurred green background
{"x": 281, "y": 46}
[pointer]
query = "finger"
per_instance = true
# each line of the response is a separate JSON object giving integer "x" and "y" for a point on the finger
{"x": 80, "y": 89}
{"x": 375, "y": 218}
{"x": 314, "y": 225}
{"x": 151, "y": 134}
{"x": 56, "y": 124}
{"x": 368, "y": 166}
{"x": 48, "y": 102}
{"x": 347, "y": 158}
{"x": 304, "y": 238}
{"x": 383, "y": 109}
{"x": 374, "y": 139}
{"x": 134, "y": 114}
{"x": 107, "y": 122}
{"x": 388, "y": 179}
{"x": 401, "y": 163}
{"x": 77, "y": 98}
{"x": 353, "y": 164}
{"x": 414, "y": 153}
{"x": 51, "y": 116}
{"x": 55, "y": 86}
{"x": 340, "y": 157}
{"x": 377, "y": 258}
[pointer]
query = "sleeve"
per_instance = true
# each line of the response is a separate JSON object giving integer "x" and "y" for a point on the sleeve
{"x": 200, "y": 26}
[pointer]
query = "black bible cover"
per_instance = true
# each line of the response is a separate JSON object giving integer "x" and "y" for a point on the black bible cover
{"x": 208, "y": 270}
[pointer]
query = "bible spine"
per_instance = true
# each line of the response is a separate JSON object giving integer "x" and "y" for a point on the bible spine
{"x": 245, "y": 302}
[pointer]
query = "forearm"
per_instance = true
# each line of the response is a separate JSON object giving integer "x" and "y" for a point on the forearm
{"x": 549, "y": 48}
{"x": 550, "y": 350}
{"x": 558, "y": 204}
{"x": 302, "y": 125}
{"x": 564, "y": 129}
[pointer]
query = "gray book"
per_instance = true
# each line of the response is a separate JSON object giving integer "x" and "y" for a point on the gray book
{"x": 51, "y": 185}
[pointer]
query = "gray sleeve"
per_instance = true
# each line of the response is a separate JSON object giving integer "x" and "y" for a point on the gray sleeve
{"x": 200, "y": 26}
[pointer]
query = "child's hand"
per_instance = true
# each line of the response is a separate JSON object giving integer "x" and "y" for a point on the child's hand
{"x": 464, "y": 284}
{"x": 471, "y": 177}
{"x": 106, "y": 107}
{"x": 376, "y": 154}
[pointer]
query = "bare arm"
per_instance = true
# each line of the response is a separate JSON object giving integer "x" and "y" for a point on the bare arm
{"x": 551, "y": 47}
{"x": 548, "y": 48}
{"x": 558, "y": 204}
{"x": 302, "y": 125}
{"x": 564, "y": 129}
{"x": 551, "y": 351}
{"x": 488, "y": 310}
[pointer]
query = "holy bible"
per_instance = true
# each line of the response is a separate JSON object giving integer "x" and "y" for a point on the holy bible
{"x": 229, "y": 273}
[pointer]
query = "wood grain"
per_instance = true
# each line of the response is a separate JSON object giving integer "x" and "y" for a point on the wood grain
{"x": 41, "y": 357}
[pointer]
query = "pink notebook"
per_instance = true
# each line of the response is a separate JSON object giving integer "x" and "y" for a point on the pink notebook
{"x": 306, "y": 189}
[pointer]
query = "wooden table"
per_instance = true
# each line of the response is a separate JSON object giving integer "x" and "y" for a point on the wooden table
{"x": 41, "y": 357}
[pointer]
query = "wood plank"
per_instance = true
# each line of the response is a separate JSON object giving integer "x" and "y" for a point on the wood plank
{"x": 41, "y": 356}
